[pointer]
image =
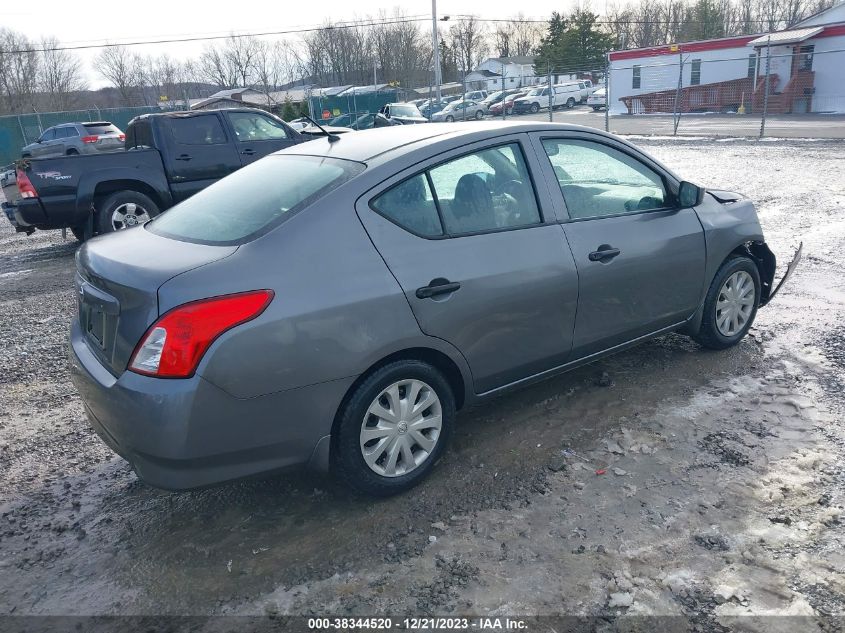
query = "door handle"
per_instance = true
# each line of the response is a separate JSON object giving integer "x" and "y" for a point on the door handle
{"x": 437, "y": 287}
{"x": 184, "y": 157}
{"x": 247, "y": 152}
{"x": 604, "y": 253}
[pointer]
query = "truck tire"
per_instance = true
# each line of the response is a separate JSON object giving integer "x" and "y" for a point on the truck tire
{"x": 570, "y": 103}
{"x": 78, "y": 232}
{"x": 123, "y": 210}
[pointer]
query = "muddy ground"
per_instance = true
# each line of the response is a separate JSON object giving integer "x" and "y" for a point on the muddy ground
{"x": 665, "y": 480}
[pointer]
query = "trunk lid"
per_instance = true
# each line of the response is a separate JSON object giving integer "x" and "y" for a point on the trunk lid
{"x": 117, "y": 282}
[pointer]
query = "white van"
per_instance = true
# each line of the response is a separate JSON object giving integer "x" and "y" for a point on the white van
{"x": 563, "y": 95}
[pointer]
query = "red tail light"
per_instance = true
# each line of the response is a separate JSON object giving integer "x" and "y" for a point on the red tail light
{"x": 25, "y": 185}
{"x": 175, "y": 344}
{"x": 122, "y": 137}
{"x": 90, "y": 139}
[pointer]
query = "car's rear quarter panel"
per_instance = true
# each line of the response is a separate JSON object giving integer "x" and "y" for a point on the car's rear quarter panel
{"x": 336, "y": 309}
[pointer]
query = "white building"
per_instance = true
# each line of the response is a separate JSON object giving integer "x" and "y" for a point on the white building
{"x": 517, "y": 72}
{"x": 806, "y": 70}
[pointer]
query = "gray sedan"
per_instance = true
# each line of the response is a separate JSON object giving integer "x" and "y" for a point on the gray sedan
{"x": 459, "y": 111}
{"x": 336, "y": 303}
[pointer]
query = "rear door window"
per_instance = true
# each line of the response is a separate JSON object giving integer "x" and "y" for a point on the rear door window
{"x": 410, "y": 204}
{"x": 197, "y": 130}
{"x": 254, "y": 199}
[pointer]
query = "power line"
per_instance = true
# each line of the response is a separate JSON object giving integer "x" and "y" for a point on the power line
{"x": 340, "y": 26}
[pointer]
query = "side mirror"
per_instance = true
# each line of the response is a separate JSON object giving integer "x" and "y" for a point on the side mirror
{"x": 690, "y": 195}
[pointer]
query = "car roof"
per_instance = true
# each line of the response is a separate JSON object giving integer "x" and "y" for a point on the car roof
{"x": 382, "y": 144}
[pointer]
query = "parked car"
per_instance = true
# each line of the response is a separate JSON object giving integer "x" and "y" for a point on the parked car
{"x": 598, "y": 100}
{"x": 169, "y": 157}
{"x": 300, "y": 123}
{"x": 433, "y": 106}
{"x": 496, "y": 97}
{"x": 399, "y": 114}
{"x": 506, "y": 103}
{"x": 459, "y": 111}
{"x": 366, "y": 289}
{"x": 476, "y": 95}
{"x": 537, "y": 99}
{"x": 69, "y": 139}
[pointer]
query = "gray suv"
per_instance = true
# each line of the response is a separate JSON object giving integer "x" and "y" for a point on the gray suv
{"x": 68, "y": 139}
{"x": 336, "y": 302}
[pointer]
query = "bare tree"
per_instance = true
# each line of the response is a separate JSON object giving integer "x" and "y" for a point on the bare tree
{"x": 61, "y": 75}
{"x": 468, "y": 38}
{"x": 124, "y": 70}
{"x": 517, "y": 36}
{"x": 19, "y": 70}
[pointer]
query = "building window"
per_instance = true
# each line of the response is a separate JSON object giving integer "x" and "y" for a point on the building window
{"x": 752, "y": 66}
{"x": 695, "y": 73}
{"x": 805, "y": 57}
{"x": 637, "y": 78}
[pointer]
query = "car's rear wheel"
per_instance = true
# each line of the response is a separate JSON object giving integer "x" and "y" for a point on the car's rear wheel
{"x": 731, "y": 304}
{"x": 393, "y": 428}
{"x": 123, "y": 210}
{"x": 535, "y": 108}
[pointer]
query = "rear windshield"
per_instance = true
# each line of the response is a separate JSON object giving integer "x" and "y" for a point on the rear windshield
{"x": 101, "y": 128}
{"x": 254, "y": 199}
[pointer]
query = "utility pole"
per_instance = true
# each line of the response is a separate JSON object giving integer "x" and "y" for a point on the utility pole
{"x": 435, "y": 43}
{"x": 766, "y": 87}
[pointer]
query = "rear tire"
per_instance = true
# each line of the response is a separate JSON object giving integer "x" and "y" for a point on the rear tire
{"x": 124, "y": 209}
{"x": 78, "y": 232}
{"x": 731, "y": 294}
{"x": 411, "y": 438}
{"x": 479, "y": 115}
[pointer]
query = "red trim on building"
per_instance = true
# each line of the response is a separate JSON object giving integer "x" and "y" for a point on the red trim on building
{"x": 711, "y": 45}
{"x": 686, "y": 47}
{"x": 830, "y": 31}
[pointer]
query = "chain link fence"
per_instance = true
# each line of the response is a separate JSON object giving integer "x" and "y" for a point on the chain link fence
{"x": 18, "y": 130}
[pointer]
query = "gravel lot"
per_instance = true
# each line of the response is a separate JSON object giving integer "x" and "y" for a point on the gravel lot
{"x": 665, "y": 480}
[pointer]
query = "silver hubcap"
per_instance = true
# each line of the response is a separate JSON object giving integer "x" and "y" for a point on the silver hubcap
{"x": 735, "y": 303}
{"x": 127, "y": 215}
{"x": 401, "y": 428}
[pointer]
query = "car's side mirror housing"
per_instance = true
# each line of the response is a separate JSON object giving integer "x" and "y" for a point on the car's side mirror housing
{"x": 690, "y": 195}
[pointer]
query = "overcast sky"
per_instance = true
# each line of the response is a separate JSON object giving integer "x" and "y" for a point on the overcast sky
{"x": 75, "y": 24}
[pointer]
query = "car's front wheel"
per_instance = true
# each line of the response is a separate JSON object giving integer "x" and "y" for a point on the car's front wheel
{"x": 570, "y": 103}
{"x": 450, "y": 119}
{"x": 393, "y": 428}
{"x": 731, "y": 304}
{"x": 535, "y": 108}
{"x": 479, "y": 115}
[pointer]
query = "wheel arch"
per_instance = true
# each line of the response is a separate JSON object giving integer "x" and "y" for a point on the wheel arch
{"x": 105, "y": 189}
{"x": 321, "y": 457}
{"x": 759, "y": 253}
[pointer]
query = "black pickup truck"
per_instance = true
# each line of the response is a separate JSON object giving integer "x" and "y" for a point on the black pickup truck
{"x": 168, "y": 158}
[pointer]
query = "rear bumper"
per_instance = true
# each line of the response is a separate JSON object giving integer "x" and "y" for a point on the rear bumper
{"x": 188, "y": 433}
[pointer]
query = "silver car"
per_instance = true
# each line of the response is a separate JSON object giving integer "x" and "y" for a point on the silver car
{"x": 370, "y": 286}
{"x": 76, "y": 138}
{"x": 458, "y": 111}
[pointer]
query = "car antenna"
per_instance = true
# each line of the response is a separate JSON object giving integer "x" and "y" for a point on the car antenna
{"x": 332, "y": 137}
